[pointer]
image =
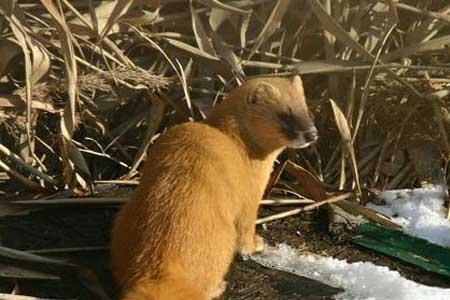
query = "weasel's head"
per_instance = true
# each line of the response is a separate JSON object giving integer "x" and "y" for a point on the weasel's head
{"x": 275, "y": 114}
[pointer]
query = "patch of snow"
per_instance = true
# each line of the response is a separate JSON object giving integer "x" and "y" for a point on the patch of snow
{"x": 361, "y": 280}
{"x": 419, "y": 211}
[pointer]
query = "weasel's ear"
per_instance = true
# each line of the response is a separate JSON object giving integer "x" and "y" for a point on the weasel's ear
{"x": 264, "y": 92}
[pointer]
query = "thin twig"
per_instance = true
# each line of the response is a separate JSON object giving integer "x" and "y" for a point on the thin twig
{"x": 303, "y": 209}
{"x": 369, "y": 78}
{"x": 276, "y": 202}
{"x": 122, "y": 200}
{"x": 118, "y": 182}
{"x": 14, "y": 157}
{"x": 75, "y": 201}
{"x": 31, "y": 185}
{"x": 19, "y": 297}
{"x": 68, "y": 250}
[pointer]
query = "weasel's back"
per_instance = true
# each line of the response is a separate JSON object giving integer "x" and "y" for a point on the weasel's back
{"x": 184, "y": 202}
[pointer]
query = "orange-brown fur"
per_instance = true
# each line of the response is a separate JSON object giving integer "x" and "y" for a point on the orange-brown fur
{"x": 197, "y": 202}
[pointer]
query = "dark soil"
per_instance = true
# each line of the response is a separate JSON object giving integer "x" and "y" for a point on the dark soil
{"x": 90, "y": 226}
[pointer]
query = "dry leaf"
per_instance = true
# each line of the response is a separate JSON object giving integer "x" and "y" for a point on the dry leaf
{"x": 272, "y": 24}
{"x": 346, "y": 137}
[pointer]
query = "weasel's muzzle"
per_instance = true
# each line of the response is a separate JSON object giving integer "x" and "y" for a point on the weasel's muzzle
{"x": 305, "y": 138}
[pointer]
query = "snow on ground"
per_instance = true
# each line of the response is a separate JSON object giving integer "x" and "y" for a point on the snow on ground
{"x": 419, "y": 211}
{"x": 361, "y": 280}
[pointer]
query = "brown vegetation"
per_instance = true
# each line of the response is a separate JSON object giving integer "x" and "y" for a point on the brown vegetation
{"x": 86, "y": 87}
{"x": 83, "y": 94}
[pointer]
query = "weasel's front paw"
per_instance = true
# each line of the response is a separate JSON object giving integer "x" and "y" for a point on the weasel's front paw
{"x": 256, "y": 245}
{"x": 220, "y": 289}
{"x": 260, "y": 244}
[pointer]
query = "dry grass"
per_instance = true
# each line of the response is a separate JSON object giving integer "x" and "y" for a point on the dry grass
{"x": 87, "y": 86}
{"x": 85, "y": 89}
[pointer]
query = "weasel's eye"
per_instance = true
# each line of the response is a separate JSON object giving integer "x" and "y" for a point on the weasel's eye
{"x": 289, "y": 124}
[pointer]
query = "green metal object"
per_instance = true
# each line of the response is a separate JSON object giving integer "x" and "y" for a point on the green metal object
{"x": 410, "y": 249}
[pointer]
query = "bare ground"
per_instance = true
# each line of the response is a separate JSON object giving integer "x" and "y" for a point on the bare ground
{"x": 82, "y": 227}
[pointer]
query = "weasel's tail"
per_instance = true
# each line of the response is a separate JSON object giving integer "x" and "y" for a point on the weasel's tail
{"x": 163, "y": 289}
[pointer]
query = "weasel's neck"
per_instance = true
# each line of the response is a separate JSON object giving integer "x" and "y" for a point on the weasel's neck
{"x": 229, "y": 124}
{"x": 260, "y": 161}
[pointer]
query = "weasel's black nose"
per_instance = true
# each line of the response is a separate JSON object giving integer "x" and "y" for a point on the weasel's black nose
{"x": 311, "y": 135}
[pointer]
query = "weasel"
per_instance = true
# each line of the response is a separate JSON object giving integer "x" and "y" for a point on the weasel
{"x": 197, "y": 201}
